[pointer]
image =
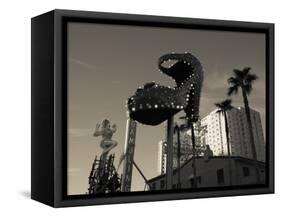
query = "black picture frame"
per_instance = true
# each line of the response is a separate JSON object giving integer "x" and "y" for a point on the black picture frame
{"x": 49, "y": 101}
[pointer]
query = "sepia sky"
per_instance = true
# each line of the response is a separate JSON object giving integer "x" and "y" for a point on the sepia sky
{"x": 106, "y": 63}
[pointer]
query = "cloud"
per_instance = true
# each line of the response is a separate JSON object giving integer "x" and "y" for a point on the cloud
{"x": 83, "y": 63}
{"x": 79, "y": 132}
{"x": 73, "y": 171}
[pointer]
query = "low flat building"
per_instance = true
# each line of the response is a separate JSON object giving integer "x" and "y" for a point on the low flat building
{"x": 213, "y": 172}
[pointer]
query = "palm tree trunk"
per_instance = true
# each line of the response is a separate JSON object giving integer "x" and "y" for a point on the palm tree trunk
{"x": 193, "y": 153}
{"x": 179, "y": 155}
{"x": 248, "y": 116}
{"x": 228, "y": 148}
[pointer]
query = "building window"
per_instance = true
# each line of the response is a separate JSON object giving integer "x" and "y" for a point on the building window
{"x": 220, "y": 176}
{"x": 162, "y": 184}
{"x": 246, "y": 171}
{"x": 153, "y": 187}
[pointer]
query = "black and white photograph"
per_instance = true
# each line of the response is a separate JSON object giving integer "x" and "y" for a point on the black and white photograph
{"x": 157, "y": 109}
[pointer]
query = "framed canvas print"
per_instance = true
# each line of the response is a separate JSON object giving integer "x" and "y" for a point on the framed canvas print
{"x": 133, "y": 108}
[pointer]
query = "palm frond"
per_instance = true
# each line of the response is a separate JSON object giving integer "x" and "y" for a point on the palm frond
{"x": 219, "y": 105}
{"x": 243, "y": 78}
{"x": 227, "y": 104}
{"x": 224, "y": 105}
{"x": 250, "y": 78}
{"x": 239, "y": 73}
{"x": 233, "y": 81}
{"x": 247, "y": 70}
{"x": 233, "y": 90}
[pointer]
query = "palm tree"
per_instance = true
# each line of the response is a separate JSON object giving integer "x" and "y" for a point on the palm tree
{"x": 223, "y": 107}
{"x": 244, "y": 79}
{"x": 190, "y": 125}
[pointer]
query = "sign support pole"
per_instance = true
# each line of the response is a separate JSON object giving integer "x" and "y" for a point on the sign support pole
{"x": 129, "y": 155}
{"x": 169, "y": 162}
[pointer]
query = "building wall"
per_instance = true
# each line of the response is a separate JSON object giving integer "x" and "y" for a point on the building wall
{"x": 215, "y": 135}
{"x": 207, "y": 173}
{"x": 161, "y": 157}
{"x": 240, "y": 177}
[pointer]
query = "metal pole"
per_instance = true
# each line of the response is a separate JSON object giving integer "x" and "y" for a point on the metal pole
{"x": 194, "y": 156}
{"x": 142, "y": 175}
{"x": 129, "y": 155}
{"x": 169, "y": 162}
{"x": 179, "y": 156}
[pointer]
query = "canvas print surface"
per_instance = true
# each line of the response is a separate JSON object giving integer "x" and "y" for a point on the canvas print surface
{"x": 159, "y": 109}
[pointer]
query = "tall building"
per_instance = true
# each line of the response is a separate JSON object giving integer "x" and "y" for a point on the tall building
{"x": 211, "y": 131}
{"x": 239, "y": 137}
{"x": 162, "y": 157}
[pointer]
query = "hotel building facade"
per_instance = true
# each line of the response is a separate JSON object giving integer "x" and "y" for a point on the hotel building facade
{"x": 210, "y": 130}
{"x": 239, "y": 134}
